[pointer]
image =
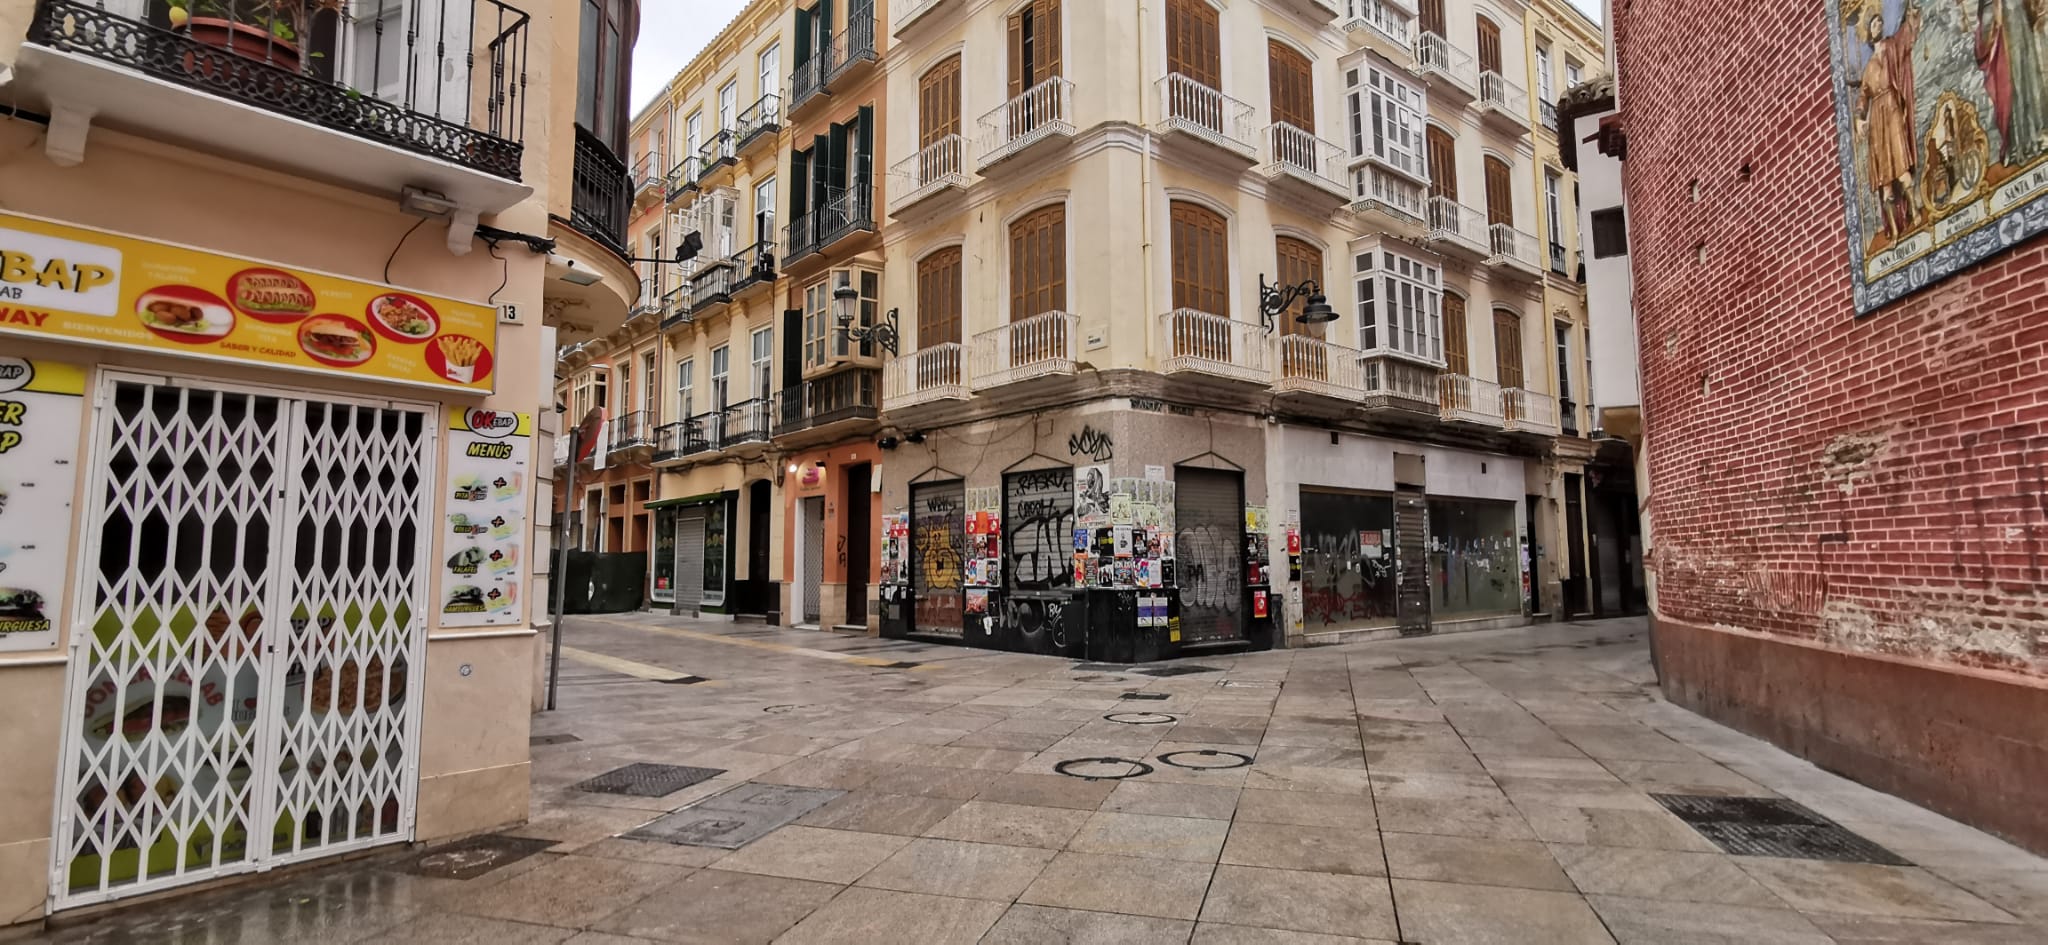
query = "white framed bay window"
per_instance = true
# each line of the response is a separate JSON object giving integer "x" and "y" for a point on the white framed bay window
{"x": 1400, "y": 305}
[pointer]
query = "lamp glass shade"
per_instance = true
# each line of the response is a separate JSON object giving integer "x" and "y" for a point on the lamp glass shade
{"x": 1317, "y": 312}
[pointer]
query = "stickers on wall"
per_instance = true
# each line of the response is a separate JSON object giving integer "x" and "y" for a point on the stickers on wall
{"x": 484, "y": 530}
{"x": 40, "y": 405}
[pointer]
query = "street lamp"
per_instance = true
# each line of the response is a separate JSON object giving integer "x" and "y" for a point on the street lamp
{"x": 845, "y": 302}
{"x": 1274, "y": 299}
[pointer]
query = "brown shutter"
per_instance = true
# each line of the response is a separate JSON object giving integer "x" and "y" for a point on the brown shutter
{"x": 1500, "y": 192}
{"x": 938, "y": 102}
{"x": 938, "y": 298}
{"x": 1298, "y": 261}
{"x": 1194, "y": 44}
{"x": 1507, "y": 347}
{"x": 1045, "y": 33}
{"x": 1019, "y": 69}
{"x": 1292, "y": 90}
{"x": 1201, "y": 259}
{"x": 1489, "y": 46}
{"x": 1433, "y": 17}
{"x": 1443, "y": 163}
{"x": 1457, "y": 360}
{"x": 1038, "y": 263}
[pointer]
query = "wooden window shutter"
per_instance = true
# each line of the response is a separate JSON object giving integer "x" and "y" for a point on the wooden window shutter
{"x": 1507, "y": 347}
{"x": 1194, "y": 44}
{"x": 1038, "y": 263}
{"x": 1443, "y": 163}
{"x": 1201, "y": 259}
{"x": 1457, "y": 359}
{"x": 1433, "y": 17}
{"x": 1020, "y": 71}
{"x": 1500, "y": 192}
{"x": 1489, "y": 46}
{"x": 1291, "y": 88}
{"x": 938, "y": 102}
{"x": 1298, "y": 261}
{"x": 938, "y": 298}
{"x": 1045, "y": 32}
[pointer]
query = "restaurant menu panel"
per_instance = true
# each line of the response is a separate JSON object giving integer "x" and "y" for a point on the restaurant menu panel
{"x": 40, "y": 403}
{"x": 484, "y": 569}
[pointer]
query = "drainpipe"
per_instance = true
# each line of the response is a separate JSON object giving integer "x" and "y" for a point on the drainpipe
{"x": 1145, "y": 175}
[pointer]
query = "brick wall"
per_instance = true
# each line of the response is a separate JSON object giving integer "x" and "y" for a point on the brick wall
{"x": 1875, "y": 484}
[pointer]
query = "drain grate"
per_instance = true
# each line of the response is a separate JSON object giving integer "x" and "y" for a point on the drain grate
{"x": 563, "y": 739}
{"x": 1774, "y": 826}
{"x": 1161, "y": 672}
{"x": 474, "y": 857}
{"x": 646, "y": 780}
{"x": 737, "y": 817}
{"x": 1146, "y": 696}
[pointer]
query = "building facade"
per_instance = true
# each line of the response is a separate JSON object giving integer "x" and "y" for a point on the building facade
{"x": 1842, "y": 387}
{"x": 278, "y": 326}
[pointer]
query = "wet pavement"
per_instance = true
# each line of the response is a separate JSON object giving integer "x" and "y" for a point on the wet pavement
{"x": 1503, "y": 787}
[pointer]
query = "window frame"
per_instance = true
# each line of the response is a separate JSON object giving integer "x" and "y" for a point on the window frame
{"x": 1410, "y": 293}
{"x": 1187, "y": 221}
{"x": 1389, "y": 120}
{"x": 686, "y": 387}
{"x": 762, "y": 363}
{"x": 721, "y": 378}
{"x": 768, "y": 70}
{"x": 1039, "y": 284}
{"x": 941, "y": 288}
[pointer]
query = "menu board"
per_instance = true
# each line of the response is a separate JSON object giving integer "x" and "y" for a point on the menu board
{"x": 483, "y": 571}
{"x": 90, "y": 286}
{"x": 40, "y": 403}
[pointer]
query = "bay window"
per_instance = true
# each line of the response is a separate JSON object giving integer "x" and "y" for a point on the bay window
{"x": 1400, "y": 302}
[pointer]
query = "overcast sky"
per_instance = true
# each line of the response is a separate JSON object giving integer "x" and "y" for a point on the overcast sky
{"x": 672, "y": 31}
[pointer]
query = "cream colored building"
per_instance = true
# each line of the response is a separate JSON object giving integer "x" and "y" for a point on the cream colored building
{"x": 1087, "y": 203}
{"x": 273, "y": 420}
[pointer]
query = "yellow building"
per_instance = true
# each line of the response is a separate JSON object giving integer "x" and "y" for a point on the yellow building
{"x": 277, "y": 327}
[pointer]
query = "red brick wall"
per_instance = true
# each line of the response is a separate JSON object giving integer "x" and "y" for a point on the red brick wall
{"x": 1875, "y": 484}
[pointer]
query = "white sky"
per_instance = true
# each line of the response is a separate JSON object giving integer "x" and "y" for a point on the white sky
{"x": 672, "y": 31}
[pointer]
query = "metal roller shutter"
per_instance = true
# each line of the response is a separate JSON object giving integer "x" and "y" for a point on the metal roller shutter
{"x": 690, "y": 561}
{"x": 938, "y": 539}
{"x": 1209, "y": 518}
{"x": 1411, "y": 554}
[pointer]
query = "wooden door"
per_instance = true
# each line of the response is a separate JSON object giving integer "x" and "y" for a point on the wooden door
{"x": 1500, "y": 192}
{"x": 938, "y": 102}
{"x": 1489, "y": 45}
{"x": 1457, "y": 359}
{"x": 1201, "y": 282}
{"x": 1038, "y": 284}
{"x": 1034, "y": 45}
{"x": 1443, "y": 163}
{"x": 1433, "y": 17}
{"x": 1290, "y": 86}
{"x": 938, "y": 298}
{"x": 1507, "y": 347}
{"x": 1194, "y": 45}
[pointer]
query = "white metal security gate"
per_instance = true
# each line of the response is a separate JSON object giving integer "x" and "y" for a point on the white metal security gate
{"x": 252, "y": 614}
{"x": 813, "y": 580}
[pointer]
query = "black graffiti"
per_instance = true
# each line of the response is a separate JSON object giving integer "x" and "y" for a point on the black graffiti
{"x": 1038, "y": 529}
{"x": 1039, "y": 622}
{"x": 1092, "y": 443}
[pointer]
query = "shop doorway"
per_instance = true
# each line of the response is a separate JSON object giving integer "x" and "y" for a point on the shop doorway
{"x": 857, "y": 541}
{"x": 1208, "y": 513}
{"x": 690, "y": 529}
{"x": 810, "y": 584}
{"x": 938, "y": 543}
{"x": 254, "y": 609}
{"x": 1411, "y": 560}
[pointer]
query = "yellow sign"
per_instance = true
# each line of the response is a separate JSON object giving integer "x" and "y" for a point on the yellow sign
{"x": 78, "y": 284}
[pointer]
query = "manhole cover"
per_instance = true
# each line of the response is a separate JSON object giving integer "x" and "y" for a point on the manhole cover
{"x": 563, "y": 739}
{"x": 647, "y": 780}
{"x": 1102, "y": 769}
{"x": 1145, "y": 696}
{"x": 736, "y": 817}
{"x": 474, "y": 857}
{"x": 1773, "y": 826}
{"x": 1140, "y": 718}
{"x": 1165, "y": 671}
{"x": 1205, "y": 759}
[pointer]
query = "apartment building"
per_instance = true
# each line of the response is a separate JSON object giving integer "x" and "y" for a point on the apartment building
{"x": 274, "y": 383}
{"x": 1228, "y": 326}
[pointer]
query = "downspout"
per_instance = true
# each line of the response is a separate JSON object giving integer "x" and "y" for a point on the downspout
{"x": 1145, "y": 178}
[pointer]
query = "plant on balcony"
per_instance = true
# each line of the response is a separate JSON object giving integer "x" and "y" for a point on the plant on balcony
{"x": 269, "y": 31}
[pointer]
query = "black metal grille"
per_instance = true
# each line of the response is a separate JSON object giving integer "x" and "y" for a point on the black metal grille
{"x": 601, "y": 195}
{"x": 397, "y": 96}
{"x": 1774, "y": 826}
{"x": 846, "y": 395}
{"x": 646, "y": 780}
{"x": 845, "y": 211}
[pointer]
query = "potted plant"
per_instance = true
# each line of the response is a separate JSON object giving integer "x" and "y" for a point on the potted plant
{"x": 269, "y": 31}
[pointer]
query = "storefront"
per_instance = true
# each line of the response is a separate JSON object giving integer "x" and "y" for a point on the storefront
{"x": 833, "y": 511}
{"x": 695, "y": 575}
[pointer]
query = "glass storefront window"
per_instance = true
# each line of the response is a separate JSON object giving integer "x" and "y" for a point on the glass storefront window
{"x": 663, "y": 588}
{"x": 714, "y": 553}
{"x": 1475, "y": 558}
{"x": 1347, "y": 560}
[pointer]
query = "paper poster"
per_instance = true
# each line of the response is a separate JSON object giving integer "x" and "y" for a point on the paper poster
{"x": 1091, "y": 496}
{"x": 1155, "y": 473}
{"x": 40, "y": 404}
{"x": 1123, "y": 541}
{"x": 1120, "y": 504}
{"x": 484, "y": 572}
{"x": 1254, "y": 518}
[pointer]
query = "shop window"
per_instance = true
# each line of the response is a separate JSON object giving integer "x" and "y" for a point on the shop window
{"x": 1475, "y": 559}
{"x": 1348, "y": 570}
{"x": 714, "y": 554}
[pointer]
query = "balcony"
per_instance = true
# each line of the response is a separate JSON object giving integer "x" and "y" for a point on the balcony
{"x": 1396, "y": 385}
{"x": 1044, "y": 112}
{"x": 649, "y": 299}
{"x": 846, "y": 211}
{"x": 629, "y": 432}
{"x": 925, "y": 376}
{"x": 1502, "y": 103}
{"x": 320, "y": 105}
{"x": 682, "y": 178}
{"x": 1468, "y": 400}
{"x": 760, "y": 122}
{"x": 906, "y": 14}
{"x": 1391, "y": 200}
{"x": 650, "y": 178}
{"x": 1448, "y": 69}
{"x": 600, "y": 199}
{"x": 1456, "y": 229}
{"x": 937, "y": 170}
{"x": 748, "y": 421}
{"x": 667, "y": 443}
{"x": 1560, "y": 261}
{"x": 1548, "y": 115}
{"x": 848, "y": 55}
{"x": 675, "y": 307}
{"x": 1383, "y": 26}
{"x": 1195, "y": 342}
{"x": 1042, "y": 345}
{"x": 717, "y": 154}
{"x": 712, "y": 285}
{"x": 1528, "y": 411}
{"x": 1304, "y": 164}
{"x": 823, "y": 407}
{"x": 1512, "y": 251}
{"x": 753, "y": 268}
{"x": 676, "y": 442}
{"x": 1188, "y": 109}
{"x": 1314, "y": 367}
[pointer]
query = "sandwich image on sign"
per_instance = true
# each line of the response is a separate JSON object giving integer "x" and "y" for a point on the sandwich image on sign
{"x": 336, "y": 340}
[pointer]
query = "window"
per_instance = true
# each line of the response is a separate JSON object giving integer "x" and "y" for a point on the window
{"x": 1610, "y": 233}
{"x": 1573, "y": 72}
{"x": 694, "y": 138}
{"x": 1201, "y": 258}
{"x": 1500, "y": 192}
{"x": 1386, "y": 122}
{"x": 1399, "y": 301}
{"x": 1553, "y": 208}
{"x": 938, "y": 298}
{"x": 1194, "y": 45}
{"x": 1546, "y": 87}
{"x": 1474, "y": 557}
{"x": 822, "y": 338}
{"x": 1457, "y": 357}
{"x": 1291, "y": 86}
{"x": 1443, "y": 164}
{"x": 770, "y": 76}
{"x": 764, "y": 363}
{"x": 1298, "y": 261}
{"x": 1489, "y": 45}
{"x": 625, "y": 384}
{"x": 817, "y": 322}
{"x": 649, "y": 384}
{"x": 1432, "y": 18}
{"x": 728, "y": 105}
{"x": 938, "y": 108}
{"x": 604, "y": 65}
{"x": 1034, "y": 35}
{"x": 686, "y": 389}
{"x": 721, "y": 358}
{"x": 1507, "y": 348}
{"x": 1038, "y": 263}
{"x": 764, "y": 211}
{"x": 1564, "y": 362}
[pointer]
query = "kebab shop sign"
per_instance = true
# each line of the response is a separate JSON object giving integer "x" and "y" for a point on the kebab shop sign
{"x": 78, "y": 284}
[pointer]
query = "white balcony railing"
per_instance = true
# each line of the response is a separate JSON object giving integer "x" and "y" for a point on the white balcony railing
{"x": 1465, "y": 399}
{"x": 1292, "y": 151}
{"x": 1503, "y": 98}
{"x": 1397, "y": 382}
{"x": 1314, "y": 366}
{"x": 1201, "y": 343}
{"x": 1528, "y": 411}
{"x": 938, "y": 166}
{"x": 1439, "y": 58}
{"x": 1455, "y": 223}
{"x": 902, "y": 13}
{"x": 1189, "y": 106}
{"x": 649, "y": 173}
{"x": 1387, "y": 20}
{"x": 1029, "y": 347}
{"x": 1376, "y": 188}
{"x": 1512, "y": 247}
{"x": 1042, "y": 111}
{"x": 925, "y": 375}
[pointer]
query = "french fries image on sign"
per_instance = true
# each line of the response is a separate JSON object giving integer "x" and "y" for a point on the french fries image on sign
{"x": 462, "y": 355}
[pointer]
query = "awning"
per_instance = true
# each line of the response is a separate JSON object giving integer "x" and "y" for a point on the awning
{"x": 707, "y": 497}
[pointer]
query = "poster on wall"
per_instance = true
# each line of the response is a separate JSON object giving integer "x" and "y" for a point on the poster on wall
{"x": 1091, "y": 496}
{"x": 483, "y": 573}
{"x": 1941, "y": 115}
{"x": 40, "y": 404}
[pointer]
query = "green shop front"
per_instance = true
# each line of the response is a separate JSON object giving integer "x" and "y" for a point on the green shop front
{"x": 692, "y": 559}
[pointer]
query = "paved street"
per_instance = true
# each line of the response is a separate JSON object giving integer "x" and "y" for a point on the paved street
{"x": 1481, "y": 788}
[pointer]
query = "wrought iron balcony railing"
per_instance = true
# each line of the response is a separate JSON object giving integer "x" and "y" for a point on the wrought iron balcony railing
{"x": 667, "y": 441}
{"x": 1437, "y": 58}
{"x": 1498, "y": 96}
{"x": 1560, "y": 260}
{"x": 1514, "y": 248}
{"x": 649, "y": 173}
{"x": 1189, "y": 106}
{"x": 1528, "y": 411}
{"x": 712, "y": 285}
{"x": 836, "y": 397}
{"x": 446, "y": 80}
{"x": 600, "y": 199}
{"x": 1294, "y": 152}
{"x": 699, "y": 435}
{"x": 721, "y": 151}
{"x": 935, "y": 167}
{"x": 675, "y": 307}
{"x": 1457, "y": 225}
{"x": 1462, "y": 398}
{"x": 934, "y": 372}
{"x": 745, "y": 422}
{"x": 764, "y": 117}
{"x": 754, "y": 265}
{"x": 649, "y": 299}
{"x": 1548, "y": 110}
{"x": 845, "y": 211}
{"x": 1313, "y": 366}
{"x": 1202, "y": 343}
{"x": 629, "y": 431}
{"x": 1046, "y": 343}
{"x": 851, "y": 46}
{"x": 1040, "y": 112}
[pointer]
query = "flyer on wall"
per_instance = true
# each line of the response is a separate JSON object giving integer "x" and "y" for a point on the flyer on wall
{"x": 40, "y": 404}
{"x": 483, "y": 575}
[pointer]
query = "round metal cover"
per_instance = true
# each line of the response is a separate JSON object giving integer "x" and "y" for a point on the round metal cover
{"x": 1140, "y": 718}
{"x": 1205, "y": 759}
{"x": 1103, "y": 769}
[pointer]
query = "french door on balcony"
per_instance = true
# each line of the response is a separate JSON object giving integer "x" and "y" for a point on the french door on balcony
{"x": 1290, "y": 86}
{"x": 1432, "y": 17}
{"x": 412, "y": 51}
{"x": 1489, "y": 45}
{"x": 1194, "y": 50}
{"x": 1500, "y": 192}
{"x": 1038, "y": 284}
{"x": 1201, "y": 277}
{"x": 938, "y": 118}
{"x": 1443, "y": 166}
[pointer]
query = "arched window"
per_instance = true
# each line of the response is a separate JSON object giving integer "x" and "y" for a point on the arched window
{"x": 1507, "y": 347}
{"x": 1500, "y": 192}
{"x": 938, "y": 102}
{"x": 1034, "y": 45}
{"x": 1038, "y": 263}
{"x": 1443, "y": 164}
{"x": 1291, "y": 87}
{"x": 1489, "y": 45}
{"x": 938, "y": 298}
{"x": 1194, "y": 44}
{"x": 1201, "y": 256}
